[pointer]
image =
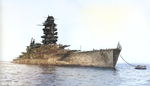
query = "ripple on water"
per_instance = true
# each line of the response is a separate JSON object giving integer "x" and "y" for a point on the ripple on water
{"x": 38, "y": 75}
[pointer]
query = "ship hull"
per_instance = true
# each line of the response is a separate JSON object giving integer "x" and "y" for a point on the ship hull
{"x": 95, "y": 58}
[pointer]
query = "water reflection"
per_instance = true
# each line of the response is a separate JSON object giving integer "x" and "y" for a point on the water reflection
{"x": 66, "y": 76}
{"x": 41, "y": 75}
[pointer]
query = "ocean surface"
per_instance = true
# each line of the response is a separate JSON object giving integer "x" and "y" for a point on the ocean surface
{"x": 38, "y": 75}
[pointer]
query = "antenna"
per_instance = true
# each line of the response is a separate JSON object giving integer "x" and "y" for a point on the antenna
{"x": 39, "y": 25}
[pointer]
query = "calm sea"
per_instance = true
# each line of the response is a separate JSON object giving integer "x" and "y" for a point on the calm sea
{"x": 38, "y": 75}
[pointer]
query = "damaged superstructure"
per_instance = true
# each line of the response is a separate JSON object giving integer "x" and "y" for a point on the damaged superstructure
{"x": 55, "y": 54}
{"x": 50, "y": 36}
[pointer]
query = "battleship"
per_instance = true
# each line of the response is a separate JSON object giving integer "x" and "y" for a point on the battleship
{"x": 50, "y": 53}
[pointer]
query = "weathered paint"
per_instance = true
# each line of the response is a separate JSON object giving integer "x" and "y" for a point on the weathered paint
{"x": 96, "y": 58}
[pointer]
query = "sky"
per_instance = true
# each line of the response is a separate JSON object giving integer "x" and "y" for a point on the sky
{"x": 91, "y": 24}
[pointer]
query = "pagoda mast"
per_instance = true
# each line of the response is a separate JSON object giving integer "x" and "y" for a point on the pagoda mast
{"x": 50, "y": 34}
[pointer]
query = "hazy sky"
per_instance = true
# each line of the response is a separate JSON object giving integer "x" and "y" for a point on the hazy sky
{"x": 91, "y": 24}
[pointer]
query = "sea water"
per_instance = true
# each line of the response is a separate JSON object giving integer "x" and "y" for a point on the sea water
{"x": 39, "y": 75}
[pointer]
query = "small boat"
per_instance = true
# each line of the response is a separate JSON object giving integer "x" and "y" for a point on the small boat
{"x": 140, "y": 67}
